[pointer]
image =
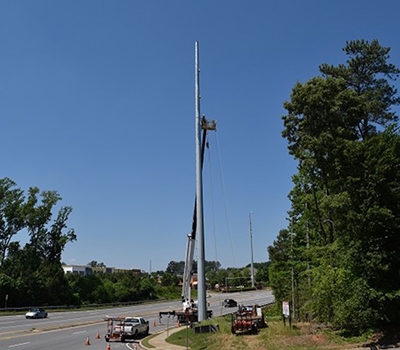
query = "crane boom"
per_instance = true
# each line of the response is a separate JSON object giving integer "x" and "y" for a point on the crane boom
{"x": 191, "y": 239}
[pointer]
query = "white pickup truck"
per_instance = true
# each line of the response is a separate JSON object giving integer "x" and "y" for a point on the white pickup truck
{"x": 121, "y": 328}
{"x": 136, "y": 326}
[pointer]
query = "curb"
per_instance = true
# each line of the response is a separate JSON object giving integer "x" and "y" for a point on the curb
{"x": 155, "y": 334}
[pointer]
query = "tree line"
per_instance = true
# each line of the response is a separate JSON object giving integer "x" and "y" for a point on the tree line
{"x": 32, "y": 274}
{"x": 215, "y": 275}
{"x": 337, "y": 261}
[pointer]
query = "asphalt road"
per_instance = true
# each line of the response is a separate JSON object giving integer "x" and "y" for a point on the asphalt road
{"x": 69, "y": 330}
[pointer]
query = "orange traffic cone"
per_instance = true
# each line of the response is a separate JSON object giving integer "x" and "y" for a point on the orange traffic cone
{"x": 154, "y": 323}
{"x": 177, "y": 324}
{"x": 87, "y": 342}
{"x": 98, "y": 335}
{"x": 108, "y": 347}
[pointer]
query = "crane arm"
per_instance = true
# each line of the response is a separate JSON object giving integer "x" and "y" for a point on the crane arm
{"x": 187, "y": 273}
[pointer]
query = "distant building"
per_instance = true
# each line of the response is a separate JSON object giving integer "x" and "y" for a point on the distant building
{"x": 193, "y": 281}
{"x": 83, "y": 270}
{"x": 86, "y": 270}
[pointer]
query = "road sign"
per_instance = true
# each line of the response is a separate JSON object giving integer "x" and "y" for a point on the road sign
{"x": 285, "y": 308}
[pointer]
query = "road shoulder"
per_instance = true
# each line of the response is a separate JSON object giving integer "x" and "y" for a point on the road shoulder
{"x": 159, "y": 341}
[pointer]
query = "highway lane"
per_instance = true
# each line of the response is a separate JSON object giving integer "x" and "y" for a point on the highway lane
{"x": 19, "y": 323}
{"x": 17, "y": 333}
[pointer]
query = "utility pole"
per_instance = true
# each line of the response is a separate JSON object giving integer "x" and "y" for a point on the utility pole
{"x": 201, "y": 280}
{"x": 308, "y": 250}
{"x": 251, "y": 250}
{"x": 292, "y": 273}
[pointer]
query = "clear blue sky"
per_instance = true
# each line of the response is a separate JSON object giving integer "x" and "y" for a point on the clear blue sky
{"x": 97, "y": 102}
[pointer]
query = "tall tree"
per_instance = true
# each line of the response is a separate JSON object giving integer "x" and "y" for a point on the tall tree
{"x": 35, "y": 268}
{"x": 11, "y": 214}
{"x": 367, "y": 73}
{"x": 341, "y": 128}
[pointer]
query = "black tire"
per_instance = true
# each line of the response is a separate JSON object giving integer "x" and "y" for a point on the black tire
{"x": 136, "y": 334}
{"x": 147, "y": 331}
{"x": 122, "y": 339}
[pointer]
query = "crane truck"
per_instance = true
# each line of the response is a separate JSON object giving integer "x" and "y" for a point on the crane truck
{"x": 189, "y": 312}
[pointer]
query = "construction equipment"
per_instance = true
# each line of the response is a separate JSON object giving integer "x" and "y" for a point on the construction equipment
{"x": 189, "y": 311}
{"x": 248, "y": 319}
{"x": 122, "y": 328}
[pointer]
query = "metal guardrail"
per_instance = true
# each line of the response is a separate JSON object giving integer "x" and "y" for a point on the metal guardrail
{"x": 83, "y": 306}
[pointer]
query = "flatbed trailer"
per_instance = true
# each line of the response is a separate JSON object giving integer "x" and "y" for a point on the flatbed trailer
{"x": 247, "y": 320}
{"x": 183, "y": 317}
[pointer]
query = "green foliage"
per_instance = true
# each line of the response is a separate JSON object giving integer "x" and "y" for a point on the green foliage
{"x": 177, "y": 267}
{"x": 261, "y": 274}
{"x": 32, "y": 274}
{"x": 202, "y": 340}
{"x": 215, "y": 275}
{"x": 118, "y": 287}
{"x": 11, "y": 214}
{"x": 345, "y": 214}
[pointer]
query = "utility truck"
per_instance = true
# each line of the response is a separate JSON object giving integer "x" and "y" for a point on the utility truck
{"x": 248, "y": 319}
{"x": 122, "y": 328}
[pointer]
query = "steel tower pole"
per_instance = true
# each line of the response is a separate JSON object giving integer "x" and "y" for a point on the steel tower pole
{"x": 201, "y": 281}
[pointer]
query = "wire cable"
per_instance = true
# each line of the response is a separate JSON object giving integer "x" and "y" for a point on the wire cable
{"x": 224, "y": 197}
{"x": 212, "y": 200}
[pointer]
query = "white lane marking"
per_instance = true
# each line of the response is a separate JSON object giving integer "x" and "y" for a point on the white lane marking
{"x": 80, "y": 332}
{"x": 15, "y": 345}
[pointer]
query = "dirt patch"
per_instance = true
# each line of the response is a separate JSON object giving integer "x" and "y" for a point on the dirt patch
{"x": 318, "y": 338}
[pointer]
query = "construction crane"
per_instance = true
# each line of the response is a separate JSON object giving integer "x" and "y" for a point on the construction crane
{"x": 187, "y": 301}
{"x": 191, "y": 310}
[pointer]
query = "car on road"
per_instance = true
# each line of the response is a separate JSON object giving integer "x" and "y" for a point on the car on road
{"x": 36, "y": 313}
{"x": 230, "y": 303}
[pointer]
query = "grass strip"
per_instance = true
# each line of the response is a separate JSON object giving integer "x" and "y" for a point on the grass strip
{"x": 302, "y": 336}
{"x": 145, "y": 341}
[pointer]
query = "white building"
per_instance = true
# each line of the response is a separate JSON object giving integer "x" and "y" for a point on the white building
{"x": 82, "y": 270}
{"x": 85, "y": 270}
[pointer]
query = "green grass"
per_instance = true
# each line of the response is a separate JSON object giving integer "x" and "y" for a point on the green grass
{"x": 204, "y": 340}
{"x": 146, "y": 343}
{"x": 340, "y": 337}
{"x": 302, "y": 336}
{"x": 273, "y": 312}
